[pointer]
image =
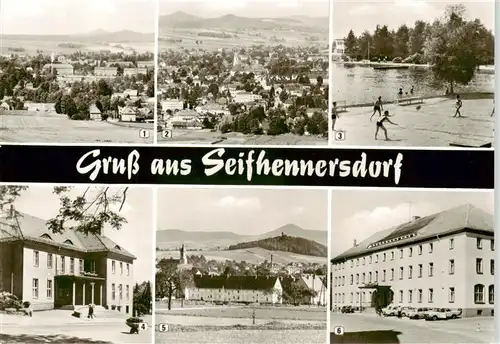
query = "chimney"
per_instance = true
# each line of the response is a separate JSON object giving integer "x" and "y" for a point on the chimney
{"x": 415, "y": 218}
{"x": 355, "y": 243}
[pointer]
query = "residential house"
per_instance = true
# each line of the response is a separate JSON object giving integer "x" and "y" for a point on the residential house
{"x": 61, "y": 68}
{"x": 128, "y": 114}
{"x": 106, "y": 71}
{"x": 95, "y": 113}
{"x": 67, "y": 270}
{"x": 318, "y": 285}
{"x": 134, "y": 71}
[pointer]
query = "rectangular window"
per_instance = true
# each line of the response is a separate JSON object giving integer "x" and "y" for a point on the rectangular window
{"x": 392, "y": 274}
{"x": 49, "y": 289}
{"x": 113, "y": 292}
{"x": 451, "y": 295}
{"x": 63, "y": 264}
{"x": 410, "y": 251}
{"x": 383, "y": 257}
{"x": 420, "y": 270}
{"x": 452, "y": 244}
{"x": 492, "y": 244}
{"x": 357, "y": 278}
{"x": 384, "y": 275}
{"x": 121, "y": 268}
{"x": 431, "y": 269}
{"x": 370, "y": 260}
{"x": 401, "y": 254}
{"x": 72, "y": 266}
{"x": 81, "y": 269}
{"x": 376, "y": 276}
{"x": 376, "y": 258}
{"x": 352, "y": 279}
{"x": 479, "y": 266}
{"x": 410, "y": 272}
{"x": 451, "y": 267}
{"x": 127, "y": 289}
{"x": 128, "y": 269}
{"x": 50, "y": 260}
{"x": 419, "y": 296}
{"x": 36, "y": 258}
{"x": 401, "y": 273}
{"x": 419, "y": 250}
{"x": 479, "y": 243}
{"x": 492, "y": 266}
{"x": 431, "y": 247}
{"x": 431, "y": 295}
{"x": 35, "y": 288}
{"x": 363, "y": 279}
{"x": 401, "y": 296}
{"x": 369, "y": 277}
{"x": 392, "y": 255}
{"x": 410, "y": 296}
{"x": 113, "y": 266}
{"x": 120, "y": 290}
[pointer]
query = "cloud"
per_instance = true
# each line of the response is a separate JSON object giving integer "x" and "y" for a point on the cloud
{"x": 247, "y": 203}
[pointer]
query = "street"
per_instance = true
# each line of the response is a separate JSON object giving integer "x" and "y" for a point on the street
{"x": 393, "y": 330}
{"x": 50, "y": 327}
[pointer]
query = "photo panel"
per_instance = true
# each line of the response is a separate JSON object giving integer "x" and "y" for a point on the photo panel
{"x": 238, "y": 265}
{"x": 77, "y": 71}
{"x": 243, "y": 72}
{"x": 412, "y": 73}
{"x": 76, "y": 264}
{"x": 412, "y": 266}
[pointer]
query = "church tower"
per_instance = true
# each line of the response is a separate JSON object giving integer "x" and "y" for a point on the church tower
{"x": 183, "y": 259}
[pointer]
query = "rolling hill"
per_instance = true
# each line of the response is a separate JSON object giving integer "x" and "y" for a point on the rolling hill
{"x": 95, "y": 36}
{"x": 285, "y": 243}
{"x": 182, "y": 20}
{"x": 253, "y": 255}
{"x": 208, "y": 240}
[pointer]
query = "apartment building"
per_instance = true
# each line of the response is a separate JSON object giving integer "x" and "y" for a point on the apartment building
{"x": 68, "y": 270}
{"x": 441, "y": 260}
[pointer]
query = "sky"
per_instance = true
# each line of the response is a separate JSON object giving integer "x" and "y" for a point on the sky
{"x": 63, "y": 17}
{"x": 358, "y": 214}
{"x": 365, "y": 15}
{"x": 247, "y": 8}
{"x": 241, "y": 211}
{"x": 136, "y": 236}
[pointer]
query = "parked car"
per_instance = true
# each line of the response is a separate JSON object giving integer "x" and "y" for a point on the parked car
{"x": 347, "y": 309}
{"x": 390, "y": 310}
{"x": 417, "y": 313}
{"x": 436, "y": 314}
{"x": 404, "y": 311}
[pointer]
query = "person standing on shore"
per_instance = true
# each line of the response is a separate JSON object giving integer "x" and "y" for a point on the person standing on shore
{"x": 378, "y": 107}
{"x": 380, "y": 124}
{"x": 335, "y": 115}
{"x": 458, "y": 105}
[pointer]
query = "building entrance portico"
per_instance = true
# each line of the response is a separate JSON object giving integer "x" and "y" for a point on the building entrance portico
{"x": 78, "y": 291}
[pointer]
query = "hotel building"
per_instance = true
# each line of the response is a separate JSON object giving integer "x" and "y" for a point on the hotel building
{"x": 441, "y": 260}
{"x": 67, "y": 271}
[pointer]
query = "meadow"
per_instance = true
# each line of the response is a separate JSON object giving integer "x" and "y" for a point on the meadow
{"x": 60, "y": 129}
{"x": 252, "y": 255}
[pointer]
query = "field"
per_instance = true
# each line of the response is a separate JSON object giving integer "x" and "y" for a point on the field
{"x": 190, "y": 36}
{"x": 59, "y": 129}
{"x": 252, "y": 255}
{"x": 48, "y": 46}
{"x": 205, "y": 136}
{"x": 225, "y": 324}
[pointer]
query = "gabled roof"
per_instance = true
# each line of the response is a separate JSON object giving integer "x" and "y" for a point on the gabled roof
{"x": 464, "y": 217}
{"x": 235, "y": 282}
{"x": 314, "y": 282}
{"x": 25, "y": 227}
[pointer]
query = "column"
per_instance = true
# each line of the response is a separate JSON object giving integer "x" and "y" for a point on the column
{"x": 100, "y": 294}
{"x": 92, "y": 292}
{"x": 74, "y": 293}
{"x": 83, "y": 297}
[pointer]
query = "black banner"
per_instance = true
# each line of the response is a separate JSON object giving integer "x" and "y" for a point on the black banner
{"x": 466, "y": 169}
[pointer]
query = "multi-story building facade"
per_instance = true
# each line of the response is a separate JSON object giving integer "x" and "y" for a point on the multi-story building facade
{"x": 441, "y": 260}
{"x": 106, "y": 71}
{"x": 67, "y": 270}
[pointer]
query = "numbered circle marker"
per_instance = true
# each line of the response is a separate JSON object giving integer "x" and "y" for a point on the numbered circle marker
{"x": 339, "y": 330}
{"x": 144, "y": 134}
{"x": 339, "y": 135}
{"x": 163, "y": 327}
{"x": 143, "y": 326}
{"x": 166, "y": 134}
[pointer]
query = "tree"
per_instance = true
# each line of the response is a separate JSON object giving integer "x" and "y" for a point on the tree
{"x": 401, "y": 42}
{"x": 317, "y": 124}
{"x": 351, "y": 45}
{"x": 456, "y": 47}
{"x": 171, "y": 281}
{"x": 417, "y": 37}
{"x": 142, "y": 299}
{"x": 87, "y": 212}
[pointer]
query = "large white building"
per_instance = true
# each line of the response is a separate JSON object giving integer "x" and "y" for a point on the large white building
{"x": 338, "y": 47}
{"x": 441, "y": 260}
{"x": 244, "y": 289}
